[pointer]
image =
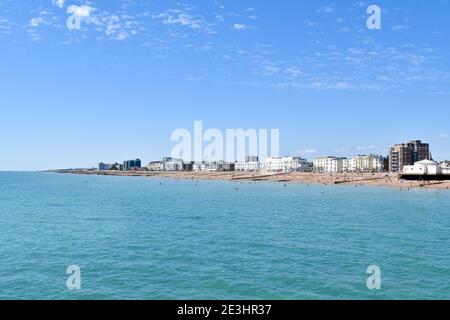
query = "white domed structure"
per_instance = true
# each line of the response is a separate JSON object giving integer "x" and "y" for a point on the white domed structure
{"x": 424, "y": 167}
{"x": 427, "y": 163}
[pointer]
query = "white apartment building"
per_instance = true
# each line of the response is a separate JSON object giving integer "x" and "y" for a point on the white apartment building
{"x": 218, "y": 166}
{"x": 172, "y": 164}
{"x": 364, "y": 163}
{"x": 251, "y": 166}
{"x": 330, "y": 164}
{"x": 200, "y": 166}
{"x": 287, "y": 164}
{"x": 155, "y": 166}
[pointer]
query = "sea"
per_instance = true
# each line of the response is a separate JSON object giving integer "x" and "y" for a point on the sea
{"x": 101, "y": 237}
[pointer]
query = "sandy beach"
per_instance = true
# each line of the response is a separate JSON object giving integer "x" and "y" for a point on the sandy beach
{"x": 355, "y": 179}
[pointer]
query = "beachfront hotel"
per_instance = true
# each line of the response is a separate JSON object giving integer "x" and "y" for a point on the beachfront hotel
{"x": 221, "y": 166}
{"x": 155, "y": 166}
{"x": 359, "y": 163}
{"x": 287, "y": 164}
{"x": 364, "y": 163}
{"x": 329, "y": 164}
{"x": 172, "y": 164}
{"x": 251, "y": 164}
{"x": 200, "y": 166}
{"x": 406, "y": 154}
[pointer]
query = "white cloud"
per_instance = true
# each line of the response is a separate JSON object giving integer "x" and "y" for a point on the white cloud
{"x": 327, "y": 9}
{"x": 183, "y": 20}
{"x": 292, "y": 72}
{"x": 310, "y": 23}
{"x": 444, "y": 135}
{"x": 122, "y": 35}
{"x": 58, "y": 3}
{"x": 36, "y": 25}
{"x": 219, "y": 18}
{"x": 180, "y": 18}
{"x": 5, "y": 25}
{"x": 36, "y": 22}
{"x": 114, "y": 26}
{"x": 117, "y": 27}
{"x": 369, "y": 147}
{"x": 399, "y": 27}
{"x": 83, "y": 11}
{"x": 241, "y": 27}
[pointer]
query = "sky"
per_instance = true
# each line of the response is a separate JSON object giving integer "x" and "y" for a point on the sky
{"x": 134, "y": 71}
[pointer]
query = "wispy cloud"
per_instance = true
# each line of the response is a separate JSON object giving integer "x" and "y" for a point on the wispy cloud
{"x": 83, "y": 11}
{"x": 58, "y": 3}
{"x": 241, "y": 27}
{"x": 367, "y": 67}
{"x": 328, "y": 9}
{"x": 363, "y": 62}
{"x": 43, "y": 19}
{"x": 365, "y": 148}
{"x": 342, "y": 150}
{"x": 36, "y": 22}
{"x": 5, "y": 26}
{"x": 182, "y": 18}
{"x": 118, "y": 27}
{"x": 400, "y": 27}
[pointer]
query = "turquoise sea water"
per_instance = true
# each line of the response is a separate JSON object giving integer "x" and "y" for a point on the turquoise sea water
{"x": 141, "y": 238}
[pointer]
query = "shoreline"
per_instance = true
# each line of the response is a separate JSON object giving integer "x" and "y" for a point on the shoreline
{"x": 349, "y": 179}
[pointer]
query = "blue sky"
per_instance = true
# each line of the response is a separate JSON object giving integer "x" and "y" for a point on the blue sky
{"x": 137, "y": 70}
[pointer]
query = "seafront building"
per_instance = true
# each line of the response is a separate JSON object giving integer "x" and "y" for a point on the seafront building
{"x": 247, "y": 167}
{"x": 251, "y": 164}
{"x": 251, "y": 159}
{"x": 287, "y": 164}
{"x": 427, "y": 169}
{"x": 329, "y": 164}
{"x": 229, "y": 167}
{"x": 406, "y": 154}
{"x": 188, "y": 166}
{"x": 200, "y": 166}
{"x": 172, "y": 164}
{"x": 105, "y": 166}
{"x": 364, "y": 163}
{"x": 155, "y": 166}
{"x": 221, "y": 166}
{"x": 129, "y": 165}
{"x": 403, "y": 158}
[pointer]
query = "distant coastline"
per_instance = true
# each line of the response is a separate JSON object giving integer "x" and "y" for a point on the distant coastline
{"x": 351, "y": 179}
